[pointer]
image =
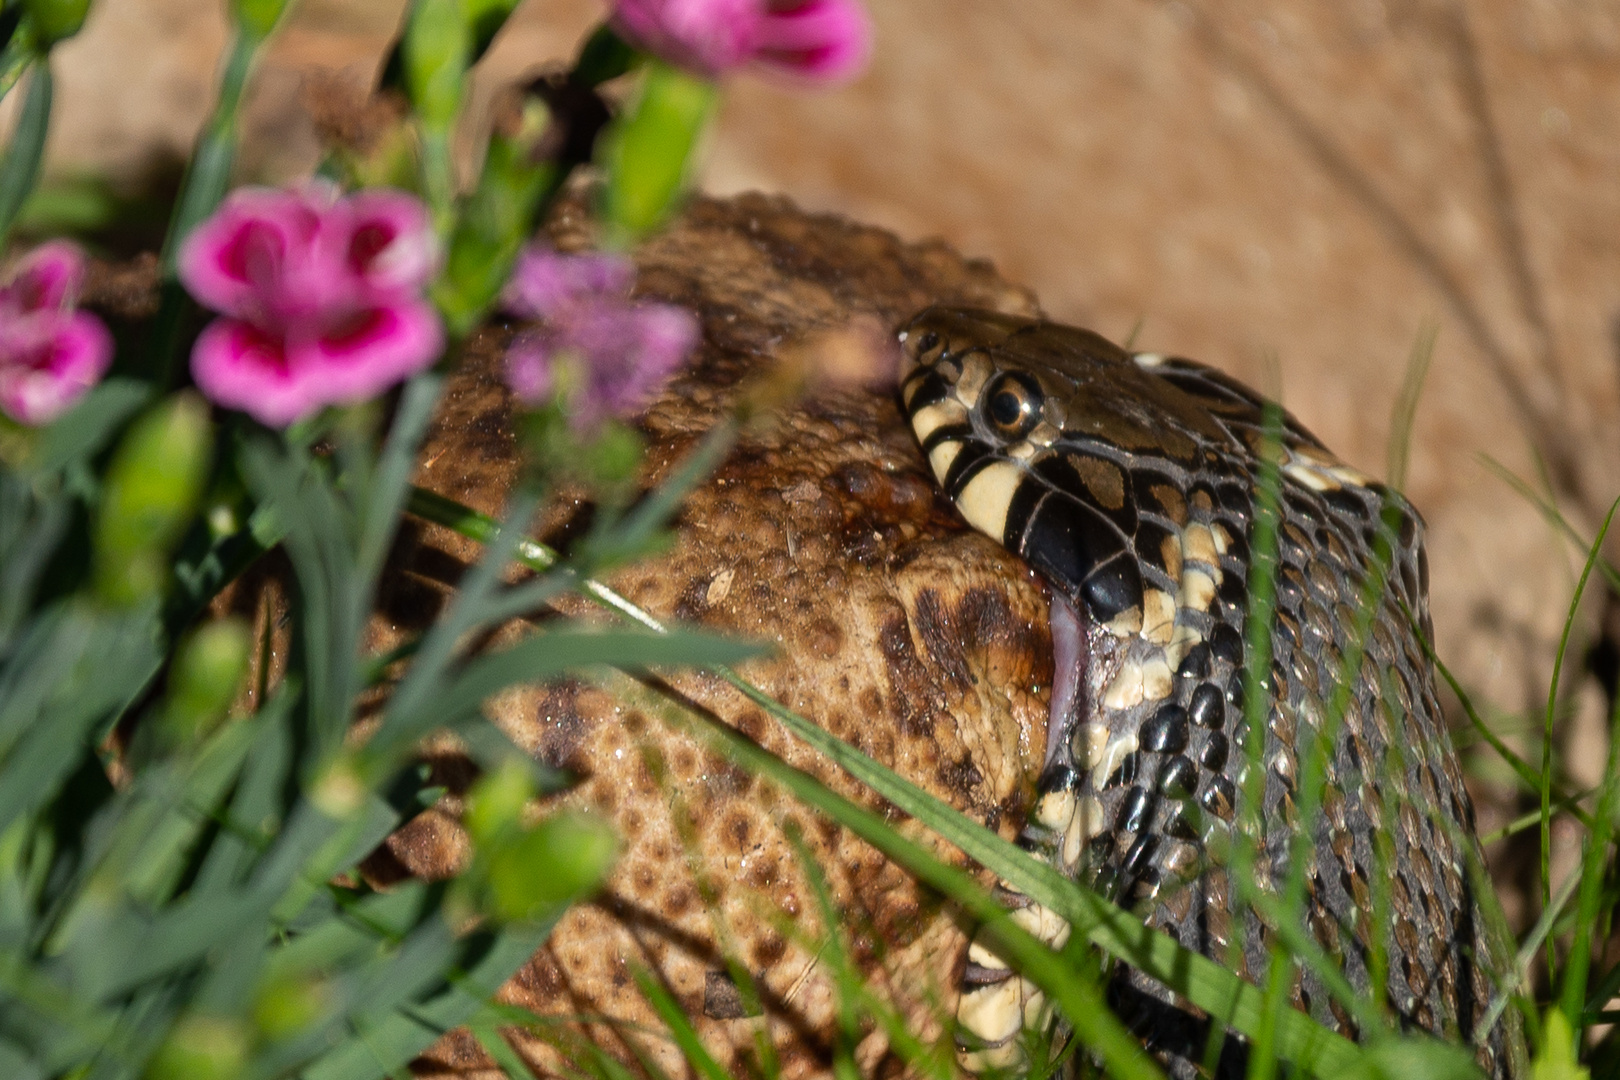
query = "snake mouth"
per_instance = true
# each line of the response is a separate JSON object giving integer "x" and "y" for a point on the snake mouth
{"x": 1070, "y": 658}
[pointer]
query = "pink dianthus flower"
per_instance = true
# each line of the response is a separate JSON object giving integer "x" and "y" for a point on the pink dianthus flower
{"x": 50, "y": 354}
{"x": 618, "y": 352}
{"x": 822, "y": 41}
{"x": 321, "y": 297}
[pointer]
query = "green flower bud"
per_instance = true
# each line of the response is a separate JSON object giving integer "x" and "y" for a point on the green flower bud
{"x": 563, "y": 858}
{"x": 208, "y": 667}
{"x": 150, "y": 496}
{"x": 55, "y": 20}
{"x": 495, "y": 803}
{"x": 201, "y": 1048}
{"x": 291, "y": 1003}
{"x": 649, "y": 150}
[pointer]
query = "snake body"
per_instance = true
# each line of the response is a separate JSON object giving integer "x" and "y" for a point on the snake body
{"x": 1129, "y": 482}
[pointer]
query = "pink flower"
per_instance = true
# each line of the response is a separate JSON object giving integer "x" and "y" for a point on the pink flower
{"x": 50, "y": 354}
{"x": 819, "y": 40}
{"x": 614, "y": 353}
{"x": 322, "y": 298}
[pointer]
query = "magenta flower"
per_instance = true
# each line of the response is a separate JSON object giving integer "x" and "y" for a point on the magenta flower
{"x": 50, "y": 354}
{"x": 322, "y": 298}
{"x": 606, "y": 352}
{"x": 822, "y": 41}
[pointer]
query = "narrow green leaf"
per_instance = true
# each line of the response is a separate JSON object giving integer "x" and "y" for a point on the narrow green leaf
{"x": 20, "y": 166}
{"x": 546, "y": 655}
{"x": 390, "y": 485}
{"x": 208, "y": 175}
{"x": 388, "y": 1044}
{"x": 89, "y": 426}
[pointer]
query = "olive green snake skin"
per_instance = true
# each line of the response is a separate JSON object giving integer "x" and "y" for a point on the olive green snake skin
{"x": 1129, "y": 482}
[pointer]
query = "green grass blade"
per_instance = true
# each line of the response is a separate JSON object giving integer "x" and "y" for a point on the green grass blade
{"x": 1552, "y": 515}
{"x": 1195, "y": 977}
{"x": 1527, "y": 774}
{"x": 1592, "y": 557}
{"x": 1526, "y": 957}
{"x": 698, "y": 1058}
{"x": 1081, "y": 1001}
{"x": 1594, "y": 857}
{"x": 1403, "y": 417}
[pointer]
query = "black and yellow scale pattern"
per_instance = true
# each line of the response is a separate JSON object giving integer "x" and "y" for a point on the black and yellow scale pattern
{"x": 1128, "y": 482}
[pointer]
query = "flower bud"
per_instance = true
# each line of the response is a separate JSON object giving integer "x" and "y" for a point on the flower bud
{"x": 201, "y": 1048}
{"x": 55, "y": 20}
{"x": 564, "y": 857}
{"x": 495, "y": 803}
{"x": 290, "y": 1003}
{"x": 649, "y": 150}
{"x": 208, "y": 667}
{"x": 151, "y": 494}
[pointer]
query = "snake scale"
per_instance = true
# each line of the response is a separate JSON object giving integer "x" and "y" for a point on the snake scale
{"x": 1128, "y": 481}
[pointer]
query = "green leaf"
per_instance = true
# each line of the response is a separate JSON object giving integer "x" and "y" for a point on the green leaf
{"x": 91, "y": 424}
{"x": 207, "y": 669}
{"x": 1418, "y": 1058}
{"x": 487, "y": 961}
{"x": 259, "y": 17}
{"x": 20, "y": 167}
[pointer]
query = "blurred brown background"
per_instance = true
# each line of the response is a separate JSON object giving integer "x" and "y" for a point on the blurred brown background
{"x": 1289, "y": 190}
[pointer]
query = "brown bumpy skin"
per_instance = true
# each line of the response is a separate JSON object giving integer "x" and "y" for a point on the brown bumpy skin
{"x": 895, "y": 627}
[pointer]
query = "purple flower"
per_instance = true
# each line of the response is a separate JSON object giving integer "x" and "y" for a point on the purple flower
{"x": 322, "y": 298}
{"x": 608, "y": 353}
{"x": 818, "y": 40}
{"x": 50, "y": 354}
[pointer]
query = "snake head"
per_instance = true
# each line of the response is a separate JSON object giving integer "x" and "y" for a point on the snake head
{"x": 993, "y": 400}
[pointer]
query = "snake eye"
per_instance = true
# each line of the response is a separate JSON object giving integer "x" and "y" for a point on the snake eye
{"x": 1012, "y": 404}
